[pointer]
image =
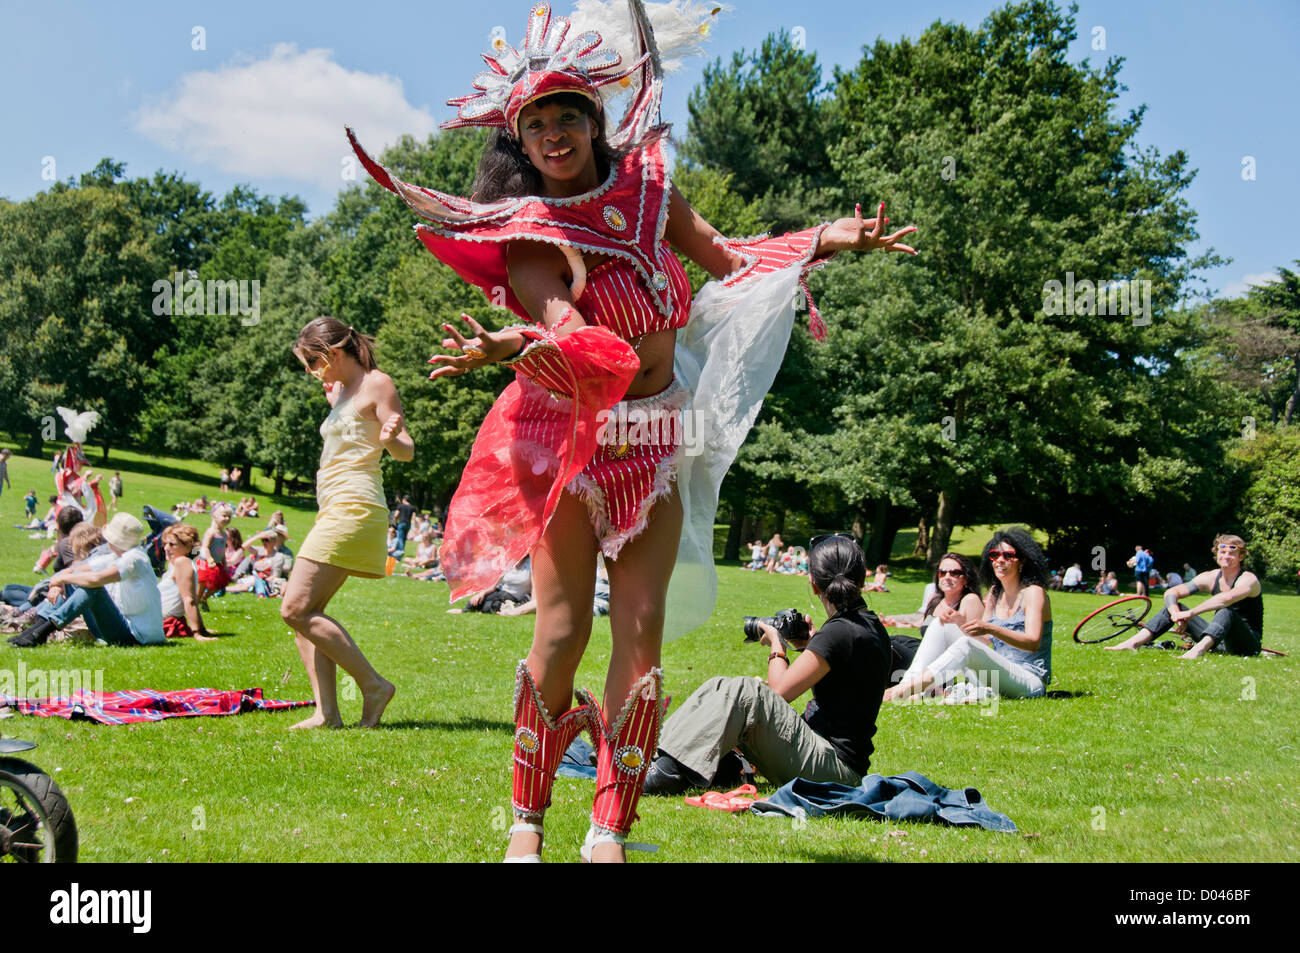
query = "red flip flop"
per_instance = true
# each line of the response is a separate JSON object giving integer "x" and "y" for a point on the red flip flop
{"x": 733, "y": 802}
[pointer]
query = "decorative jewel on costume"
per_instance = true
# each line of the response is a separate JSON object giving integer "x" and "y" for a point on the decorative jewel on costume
{"x": 623, "y": 450}
{"x": 629, "y": 759}
{"x": 526, "y": 738}
{"x": 659, "y": 281}
{"x": 472, "y": 352}
{"x": 614, "y": 218}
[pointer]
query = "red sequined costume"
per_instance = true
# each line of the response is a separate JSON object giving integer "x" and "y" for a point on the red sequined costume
{"x": 564, "y": 423}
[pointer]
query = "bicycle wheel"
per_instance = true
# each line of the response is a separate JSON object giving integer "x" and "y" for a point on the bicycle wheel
{"x": 1114, "y": 618}
{"x": 36, "y": 824}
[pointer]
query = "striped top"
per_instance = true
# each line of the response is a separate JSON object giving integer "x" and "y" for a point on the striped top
{"x": 616, "y": 297}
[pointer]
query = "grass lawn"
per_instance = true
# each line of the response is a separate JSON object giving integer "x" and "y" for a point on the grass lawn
{"x": 1142, "y": 757}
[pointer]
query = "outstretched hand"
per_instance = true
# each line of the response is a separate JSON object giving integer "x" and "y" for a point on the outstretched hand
{"x": 486, "y": 347}
{"x": 859, "y": 234}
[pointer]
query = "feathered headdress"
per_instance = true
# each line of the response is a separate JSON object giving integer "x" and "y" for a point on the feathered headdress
{"x": 559, "y": 58}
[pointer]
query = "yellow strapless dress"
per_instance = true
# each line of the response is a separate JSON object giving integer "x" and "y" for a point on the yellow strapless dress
{"x": 351, "y": 527}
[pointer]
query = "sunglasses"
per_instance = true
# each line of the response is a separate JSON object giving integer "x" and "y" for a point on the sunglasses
{"x": 1228, "y": 547}
{"x": 952, "y": 572}
{"x": 1007, "y": 554}
{"x": 825, "y": 536}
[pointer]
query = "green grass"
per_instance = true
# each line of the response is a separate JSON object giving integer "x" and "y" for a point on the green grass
{"x": 1148, "y": 758}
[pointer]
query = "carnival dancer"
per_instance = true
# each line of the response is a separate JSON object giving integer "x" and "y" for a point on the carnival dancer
{"x": 573, "y": 221}
{"x": 347, "y": 538}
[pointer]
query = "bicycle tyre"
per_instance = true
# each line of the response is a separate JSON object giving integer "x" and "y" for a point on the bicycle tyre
{"x": 1112, "y": 619}
{"x": 32, "y": 806}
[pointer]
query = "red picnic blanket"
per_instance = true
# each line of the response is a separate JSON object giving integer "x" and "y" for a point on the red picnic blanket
{"x": 145, "y": 704}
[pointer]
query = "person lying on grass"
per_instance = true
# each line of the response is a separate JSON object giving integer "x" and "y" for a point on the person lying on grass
{"x": 1236, "y": 607}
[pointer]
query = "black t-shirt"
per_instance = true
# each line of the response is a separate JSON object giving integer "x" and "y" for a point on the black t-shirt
{"x": 404, "y": 511}
{"x": 847, "y": 699}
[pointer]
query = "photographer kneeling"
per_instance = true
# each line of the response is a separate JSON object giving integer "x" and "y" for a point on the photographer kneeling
{"x": 845, "y": 663}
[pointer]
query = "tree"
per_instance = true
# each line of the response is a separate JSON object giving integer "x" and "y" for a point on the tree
{"x": 765, "y": 121}
{"x": 1271, "y": 507}
{"x": 374, "y": 227}
{"x": 76, "y": 324}
{"x": 959, "y": 376}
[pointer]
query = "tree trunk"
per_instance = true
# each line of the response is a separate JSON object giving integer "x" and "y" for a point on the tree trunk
{"x": 279, "y": 481}
{"x": 103, "y": 451}
{"x": 734, "y": 532}
{"x": 922, "y": 546}
{"x": 881, "y": 540}
{"x": 35, "y": 444}
{"x": 747, "y": 530}
{"x": 943, "y": 525}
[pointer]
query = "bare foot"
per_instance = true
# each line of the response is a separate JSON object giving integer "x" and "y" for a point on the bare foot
{"x": 374, "y": 703}
{"x": 318, "y": 721}
{"x": 1122, "y": 647}
{"x": 203, "y": 637}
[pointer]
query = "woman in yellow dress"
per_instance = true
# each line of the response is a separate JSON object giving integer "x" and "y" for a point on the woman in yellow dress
{"x": 348, "y": 536}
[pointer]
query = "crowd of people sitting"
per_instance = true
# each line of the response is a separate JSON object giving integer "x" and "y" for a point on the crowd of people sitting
{"x": 96, "y": 589}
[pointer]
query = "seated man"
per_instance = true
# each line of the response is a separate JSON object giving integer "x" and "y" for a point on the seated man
{"x": 116, "y": 593}
{"x": 1073, "y": 579}
{"x": 1235, "y": 602}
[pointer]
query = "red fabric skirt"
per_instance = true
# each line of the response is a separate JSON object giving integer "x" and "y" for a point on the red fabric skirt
{"x": 212, "y": 576}
{"x": 532, "y": 444}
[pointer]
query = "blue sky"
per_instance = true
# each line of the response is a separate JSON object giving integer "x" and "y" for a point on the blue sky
{"x": 264, "y": 101}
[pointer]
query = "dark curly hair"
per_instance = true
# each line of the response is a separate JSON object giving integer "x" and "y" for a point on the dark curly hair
{"x": 970, "y": 582}
{"x": 504, "y": 171}
{"x": 1034, "y": 570}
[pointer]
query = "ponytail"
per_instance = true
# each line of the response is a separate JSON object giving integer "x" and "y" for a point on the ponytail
{"x": 838, "y": 567}
{"x": 317, "y": 338}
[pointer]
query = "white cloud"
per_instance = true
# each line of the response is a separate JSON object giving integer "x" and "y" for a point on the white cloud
{"x": 1237, "y": 288}
{"x": 281, "y": 117}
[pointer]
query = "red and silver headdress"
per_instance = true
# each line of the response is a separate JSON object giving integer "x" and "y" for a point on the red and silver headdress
{"x": 580, "y": 54}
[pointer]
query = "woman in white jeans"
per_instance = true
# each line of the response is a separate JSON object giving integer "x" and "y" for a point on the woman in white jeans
{"x": 1008, "y": 651}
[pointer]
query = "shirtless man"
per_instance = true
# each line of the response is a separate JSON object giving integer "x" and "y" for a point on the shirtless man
{"x": 1236, "y": 607}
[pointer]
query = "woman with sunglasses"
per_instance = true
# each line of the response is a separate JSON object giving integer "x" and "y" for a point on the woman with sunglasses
{"x": 1236, "y": 601}
{"x": 347, "y": 538}
{"x": 957, "y": 598}
{"x": 1008, "y": 651}
{"x": 840, "y": 662}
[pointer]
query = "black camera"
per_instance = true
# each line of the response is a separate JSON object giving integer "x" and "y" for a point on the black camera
{"x": 789, "y": 624}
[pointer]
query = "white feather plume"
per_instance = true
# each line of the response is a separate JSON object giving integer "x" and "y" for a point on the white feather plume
{"x": 680, "y": 27}
{"x": 76, "y": 425}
